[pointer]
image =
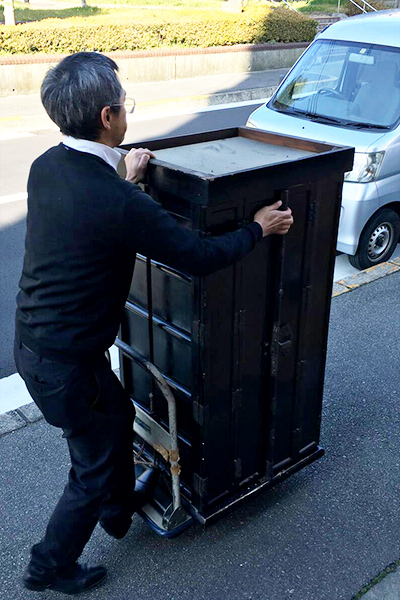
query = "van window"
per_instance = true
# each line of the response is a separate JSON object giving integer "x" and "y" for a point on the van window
{"x": 344, "y": 83}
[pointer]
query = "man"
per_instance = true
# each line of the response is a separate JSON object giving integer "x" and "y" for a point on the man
{"x": 84, "y": 227}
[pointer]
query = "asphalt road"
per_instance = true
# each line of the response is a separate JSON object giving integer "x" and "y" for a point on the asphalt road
{"x": 16, "y": 157}
{"x": 320, "y": 535}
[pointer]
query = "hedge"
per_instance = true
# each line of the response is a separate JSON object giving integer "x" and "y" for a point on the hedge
{"x": 146, "y": 30}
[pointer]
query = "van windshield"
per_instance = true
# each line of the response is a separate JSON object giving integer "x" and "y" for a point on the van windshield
{"x": 344, "y": 83}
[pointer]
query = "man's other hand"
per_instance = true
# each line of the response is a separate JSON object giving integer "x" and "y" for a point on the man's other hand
{"x": 273, "y": 220}
{"x": 136, "y": 163}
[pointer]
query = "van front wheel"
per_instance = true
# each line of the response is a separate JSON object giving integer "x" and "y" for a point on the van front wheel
{"x": 378, "y": 240}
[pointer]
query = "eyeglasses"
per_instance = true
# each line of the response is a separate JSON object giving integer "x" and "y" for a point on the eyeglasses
{"x": 129, "y": 105}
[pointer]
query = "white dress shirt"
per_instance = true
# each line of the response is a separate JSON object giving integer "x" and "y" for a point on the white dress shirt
{"x": 108, "y": 154}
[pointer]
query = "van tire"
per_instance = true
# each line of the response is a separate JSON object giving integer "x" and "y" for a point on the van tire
{"x": 378, "y": 240}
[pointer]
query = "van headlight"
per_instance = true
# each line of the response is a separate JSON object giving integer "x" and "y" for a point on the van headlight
{"x": 366, "y": 167}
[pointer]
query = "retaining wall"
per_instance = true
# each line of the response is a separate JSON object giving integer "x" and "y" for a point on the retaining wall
{"x": 24, "y": 74}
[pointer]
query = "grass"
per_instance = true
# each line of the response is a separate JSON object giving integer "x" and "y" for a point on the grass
{"x": 308, "y": 7}
{"x": 103, "y": 10}
{"x": 24, "y": 13}
{"x": 165, "y": 3}
{"x": 121, "y": 9}
{"x": 98, "y": 8}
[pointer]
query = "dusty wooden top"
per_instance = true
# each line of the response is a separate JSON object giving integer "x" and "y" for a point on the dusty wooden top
{"x": 230, "y": 155}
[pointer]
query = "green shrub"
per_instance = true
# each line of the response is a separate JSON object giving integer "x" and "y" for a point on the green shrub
{"x": 147, "y": 29}
{"x": 284, "y": 25}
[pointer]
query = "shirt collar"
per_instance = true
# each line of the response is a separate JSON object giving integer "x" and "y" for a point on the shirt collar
{"x": 110, "y": 155}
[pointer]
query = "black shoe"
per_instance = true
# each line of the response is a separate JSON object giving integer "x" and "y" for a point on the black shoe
{"x": 69, "y": 580}
{"x": 144, "y": 488}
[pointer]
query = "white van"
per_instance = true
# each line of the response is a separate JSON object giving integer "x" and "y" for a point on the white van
{"x": 345, "y": 90}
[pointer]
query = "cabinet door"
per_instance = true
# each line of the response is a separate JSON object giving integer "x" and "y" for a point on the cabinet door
{"x": 299, "y": 335}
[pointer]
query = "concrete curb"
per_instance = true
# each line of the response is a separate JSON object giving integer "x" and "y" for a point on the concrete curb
{"x": 20, "y": 417}
{"x": 363, "y": 277}
{"x": 385, "y": 586}
{"x": 212, "y": 99}
{"x": 15, "y": 419}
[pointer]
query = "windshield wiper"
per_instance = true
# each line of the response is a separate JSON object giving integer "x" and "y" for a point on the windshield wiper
{"x": 360, "y": 125}
{"x": 322, "y": 118}
{"x": 312, "y": 116}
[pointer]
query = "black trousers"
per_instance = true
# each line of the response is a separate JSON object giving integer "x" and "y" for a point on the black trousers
{"x": 96, "y": 415}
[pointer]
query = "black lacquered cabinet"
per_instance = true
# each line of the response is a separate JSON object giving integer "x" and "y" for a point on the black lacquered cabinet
{"x": 244, "y": 348}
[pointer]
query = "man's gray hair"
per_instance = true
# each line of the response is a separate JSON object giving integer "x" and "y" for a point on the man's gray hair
{"x": 75, "y": 91}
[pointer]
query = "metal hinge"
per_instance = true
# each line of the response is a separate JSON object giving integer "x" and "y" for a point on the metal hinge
{"x": 200, "y": 485}
{"x": 198, "y": 331}
{"x": 312, "y": 212}
{"x": 237, "y": 399}
{"x": 299, "y": 371}
{"x": 200, "y": 413}
{"x": 240, "y": 321}
{"x": 238, "y": 468}
{"x": 274, "y": 349}
{"x": 285, "y": 339}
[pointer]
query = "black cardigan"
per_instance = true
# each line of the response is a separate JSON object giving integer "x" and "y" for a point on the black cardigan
{"x": 84, "y": 227}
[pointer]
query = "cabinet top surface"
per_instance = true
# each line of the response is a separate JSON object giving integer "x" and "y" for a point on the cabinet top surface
{"x": 229, "y": 155}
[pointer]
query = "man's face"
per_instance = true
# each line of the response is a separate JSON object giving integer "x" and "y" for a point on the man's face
{"x": 119, "y": 124}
